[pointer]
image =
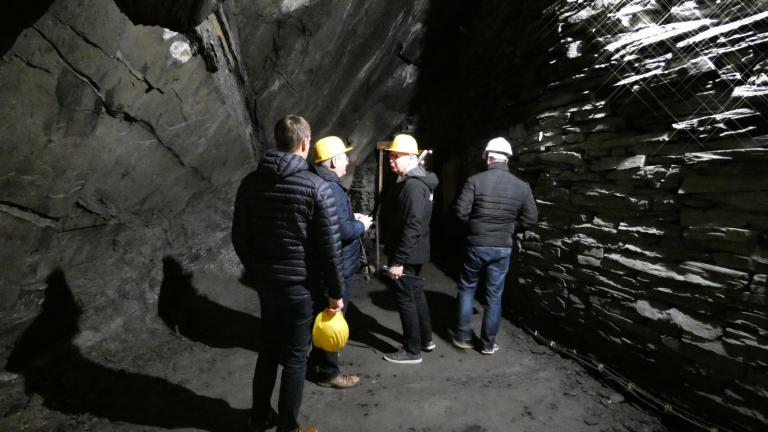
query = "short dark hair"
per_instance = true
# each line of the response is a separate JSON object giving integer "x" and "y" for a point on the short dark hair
{"x": 289, "y": 131}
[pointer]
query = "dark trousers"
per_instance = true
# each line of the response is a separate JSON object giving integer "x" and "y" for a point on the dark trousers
{"x": 412, "y": 307}
{"x": 324, "y": 363}
{"x": 287, "y": 322}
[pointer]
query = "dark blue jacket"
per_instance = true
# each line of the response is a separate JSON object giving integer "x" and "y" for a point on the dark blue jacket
{"x": 351, "y": 229}
{"x": 286, "y": 226}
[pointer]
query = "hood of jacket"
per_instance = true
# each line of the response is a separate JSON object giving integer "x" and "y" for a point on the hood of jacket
{"x": 427, "y": 177}
{"x": 278, "y": 164}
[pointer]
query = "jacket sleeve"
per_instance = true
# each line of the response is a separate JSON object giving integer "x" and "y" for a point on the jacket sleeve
{"x": 350, "y": 228}
{"x": 412, "y": 217}
{"x": 529, "y": 214}
{"x": 326, "y": 239}
{"x": 463, "y": 205}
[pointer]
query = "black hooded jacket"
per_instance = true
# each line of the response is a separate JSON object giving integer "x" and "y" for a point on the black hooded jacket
{"x": 286, "y": 227}
{"x": 492, "y": 203}
{"x": 407, "y": 213}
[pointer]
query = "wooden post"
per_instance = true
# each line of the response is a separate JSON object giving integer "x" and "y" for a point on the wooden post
{"x": 380, "y": 146}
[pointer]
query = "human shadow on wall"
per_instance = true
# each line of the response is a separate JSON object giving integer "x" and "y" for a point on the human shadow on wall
{"x": 195, "y": 316}
{"x": 54, "y": 368}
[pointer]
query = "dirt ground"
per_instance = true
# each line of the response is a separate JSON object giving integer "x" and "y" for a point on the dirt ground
{"x": 200, "y": 378}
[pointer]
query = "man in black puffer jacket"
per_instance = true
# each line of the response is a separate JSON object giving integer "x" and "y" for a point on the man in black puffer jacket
{"x": 491, "y": 204}
{"x": 331, "y": 164}
{"x": 285, "y": 231}
{"x": 407, "y": 214}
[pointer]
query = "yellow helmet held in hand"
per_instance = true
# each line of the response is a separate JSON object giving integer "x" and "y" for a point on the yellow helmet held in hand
{"x": 403, "y": 143}
{"x": 328, "y": 147}
{"x": 331, "y": 331}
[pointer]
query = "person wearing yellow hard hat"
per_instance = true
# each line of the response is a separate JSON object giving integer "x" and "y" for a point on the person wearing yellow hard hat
{"x": 331, "y": 164}
{"x": 406, "y": 213}
{"x": 281, "y": 194}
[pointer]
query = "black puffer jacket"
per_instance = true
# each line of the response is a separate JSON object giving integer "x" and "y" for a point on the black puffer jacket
{"x": 286, "y": 226}
{"x": 351, "y": 230}
{"x": 407, "y": 213}
{"x": 492, "y": 203}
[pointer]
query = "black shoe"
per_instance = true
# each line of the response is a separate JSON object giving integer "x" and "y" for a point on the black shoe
{"x": 429, "y": 346}
{"x": 403, "y": 357}
{"x": 261, "y": 426}
{"x": 459, "y": 343}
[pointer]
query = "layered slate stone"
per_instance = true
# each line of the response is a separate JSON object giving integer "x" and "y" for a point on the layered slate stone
{"x": 642, "y": 129}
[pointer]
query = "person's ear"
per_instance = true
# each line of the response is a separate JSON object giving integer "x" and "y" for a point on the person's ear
{"x": 305, "y": 144}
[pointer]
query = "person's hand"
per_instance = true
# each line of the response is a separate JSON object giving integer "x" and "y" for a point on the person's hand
{"x": 365, "y": 219}
{"x": 395, "y": 272}
{"x": 335, "y": 305}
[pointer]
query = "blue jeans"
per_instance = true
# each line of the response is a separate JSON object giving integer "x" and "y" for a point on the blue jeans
{"x": 287, "y": 327}
{"x": 494, "y": 261}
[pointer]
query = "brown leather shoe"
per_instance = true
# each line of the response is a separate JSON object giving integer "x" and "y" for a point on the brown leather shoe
{"x": 307, "y": 429}
{"x": 342, "y": 381}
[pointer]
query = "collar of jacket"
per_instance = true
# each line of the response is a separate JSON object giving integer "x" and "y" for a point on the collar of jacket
{"x": 499, "y": 165}
{"x": 325, "y": 173}
{"x": 417, "y": 171}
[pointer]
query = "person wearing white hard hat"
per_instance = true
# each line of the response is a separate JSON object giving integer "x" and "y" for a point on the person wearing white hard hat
{"x": 406, "y": 214}
{"x": 331, "y": 164}
{"x": 492, "y": 204}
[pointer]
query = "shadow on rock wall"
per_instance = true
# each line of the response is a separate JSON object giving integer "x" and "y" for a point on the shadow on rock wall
{"x": 195, "y": 316}
{"x": 54, "y": 368}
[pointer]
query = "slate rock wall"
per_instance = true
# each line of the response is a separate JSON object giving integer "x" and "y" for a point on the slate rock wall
{"x": 348, "y": 67}
{"x": 121, "y": 144}
{"x": 641, "y": 126}
{"x": 648, "y": 148}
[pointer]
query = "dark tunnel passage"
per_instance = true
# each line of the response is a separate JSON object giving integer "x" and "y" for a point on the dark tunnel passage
{"x": 640, "y": 126}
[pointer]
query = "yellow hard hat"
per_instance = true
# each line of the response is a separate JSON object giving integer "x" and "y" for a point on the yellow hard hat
{"x": 330, "y": 332}
{"x": 403, "y": 144}
{"x": 329, "y": 147}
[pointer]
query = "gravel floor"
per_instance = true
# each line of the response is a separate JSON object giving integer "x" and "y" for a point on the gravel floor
{"x": 200, "y": 379}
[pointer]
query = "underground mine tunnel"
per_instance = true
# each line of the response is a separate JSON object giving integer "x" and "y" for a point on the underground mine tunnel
{"x": 637, "y": 303}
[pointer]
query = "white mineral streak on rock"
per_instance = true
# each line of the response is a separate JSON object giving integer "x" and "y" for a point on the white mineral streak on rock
{"x": 714, "y": 31}
{"x": 653, "y": 34}
{"x": 288, "y": 6}
{"x": 408, "y": 74}
{"x": 625, "y": 14}
{"x": 634, "y": 78}
{"x": 733, "y": 114}
{"x": 168, "y": 34}
{"x": 574, "y": 49}
{"x": 181, "y": 51}
{"x": 756, "y": 86}
{"x": 686, "y": 10}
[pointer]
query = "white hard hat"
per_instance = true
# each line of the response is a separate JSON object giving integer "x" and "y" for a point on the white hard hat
{"x": 498, "y": 145}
